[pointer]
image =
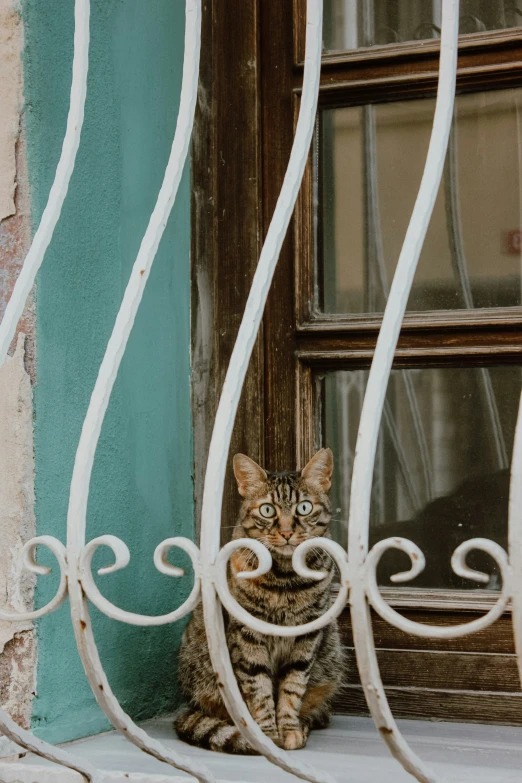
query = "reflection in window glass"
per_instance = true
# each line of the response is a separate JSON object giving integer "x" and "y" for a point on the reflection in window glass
{"x": 351, "y": 24}
{"x": 370, "y": 166}
{"x": 442, "y": 467}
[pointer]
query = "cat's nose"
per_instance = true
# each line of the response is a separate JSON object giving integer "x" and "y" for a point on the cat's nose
{"x": 287, "y": 534}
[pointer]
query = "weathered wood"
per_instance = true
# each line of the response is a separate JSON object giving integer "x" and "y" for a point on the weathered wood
{"x": 249, "y": 95}
{"x": 465, "y": 706}
{"x": 458, "y": 679}
{"x": 498, "y": 638}
{"x": 226, "y": 206}
{"x": 278, "y": 125}
{"x": 442, "y": 669}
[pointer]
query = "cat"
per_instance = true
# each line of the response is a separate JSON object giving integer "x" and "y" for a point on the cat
{"x": 288, "y": 684}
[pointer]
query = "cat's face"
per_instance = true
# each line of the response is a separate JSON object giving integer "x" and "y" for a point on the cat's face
{"x": 284, "y": 509}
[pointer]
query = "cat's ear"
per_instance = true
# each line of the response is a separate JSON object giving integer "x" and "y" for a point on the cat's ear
{"x": 249, "y": 475}
{"x": 318, "y": 471}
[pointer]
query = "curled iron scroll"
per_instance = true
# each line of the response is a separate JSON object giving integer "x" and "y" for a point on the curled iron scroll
{"x": 30, "y": 565}
{"x": 122, "y": 558}
{"x": 335, "y": 551}
{"x": 458, "y": 563}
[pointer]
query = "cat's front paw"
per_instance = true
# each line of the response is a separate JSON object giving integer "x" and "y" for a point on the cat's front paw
{"x": 276, "y": 739}
{"x": 294, "y": 739}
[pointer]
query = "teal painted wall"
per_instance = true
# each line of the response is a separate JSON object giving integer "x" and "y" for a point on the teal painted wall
{"x": 142, "y": 483}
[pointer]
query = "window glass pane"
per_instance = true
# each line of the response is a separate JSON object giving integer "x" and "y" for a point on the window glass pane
{"x": 442, "y": 469}
{"x": 370, "y": 165}
{"x": 350, "y": 24}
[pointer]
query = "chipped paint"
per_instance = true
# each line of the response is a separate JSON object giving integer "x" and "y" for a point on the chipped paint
{"x": 15, "y": 224}
{"x": 15, "y": 239}
{"x": 17, "y": 525}
{"x": 17, "y": 522}
{"x": 11, "y": 40}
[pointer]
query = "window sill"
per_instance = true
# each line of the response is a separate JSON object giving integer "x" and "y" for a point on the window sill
{"x": 435, "y": 600}
{"x": 456, "y": 752}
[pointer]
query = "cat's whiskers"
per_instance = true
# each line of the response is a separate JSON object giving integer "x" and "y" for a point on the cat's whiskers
{"x": 251, "y": 558}
{"x": 266, "y": 542}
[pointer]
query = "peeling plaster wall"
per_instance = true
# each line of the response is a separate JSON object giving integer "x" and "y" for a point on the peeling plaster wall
{"x": 10, "y": 101}
{"x": 17, "y": 522}
{"x": 17, "y": 525}
{"x": 15, "y": 222}
{"x": 15, "y": 240}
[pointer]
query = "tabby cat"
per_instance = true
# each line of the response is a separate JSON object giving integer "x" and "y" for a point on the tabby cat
{"x": 288, "y": 683}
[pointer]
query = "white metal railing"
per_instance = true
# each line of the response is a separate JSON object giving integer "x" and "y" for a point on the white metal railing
{"x": 357, "y": 566}
{"x": 64, "y": 170}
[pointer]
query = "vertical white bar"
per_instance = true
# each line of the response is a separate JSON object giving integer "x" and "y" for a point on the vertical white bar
{"x": 345, "y": 391}
{"x": 401, "y": 286}
{"x": 368, "y": 22}
{"x": 375, "y": 395}
{"x": 436, "y": 14}
{"x": 515, "y": 537}
{"x": 351, "y": 37}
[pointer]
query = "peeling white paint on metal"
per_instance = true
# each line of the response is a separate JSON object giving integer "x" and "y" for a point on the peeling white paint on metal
{"x": 227, "y": 408}
{"x": 362, "y": 565}
{"x": 84, "y": 460}
{"x": 11, "y": 40}
{"x": 515, "y": 536}
{"x": 64, "y": 170}
{"x": 11, "y": 95}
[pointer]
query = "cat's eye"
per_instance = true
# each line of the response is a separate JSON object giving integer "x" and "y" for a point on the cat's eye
{"x": 267, "y": 511}
{"x": 304, "y": 508}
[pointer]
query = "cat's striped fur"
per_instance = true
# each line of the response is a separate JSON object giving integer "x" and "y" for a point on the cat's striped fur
{"x": 288, "y": 684}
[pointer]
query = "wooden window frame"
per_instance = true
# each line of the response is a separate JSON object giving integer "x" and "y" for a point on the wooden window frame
{"x": 249, "y": 95}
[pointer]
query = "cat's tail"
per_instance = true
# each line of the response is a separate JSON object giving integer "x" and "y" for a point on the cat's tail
{"x": 211, "y": 733}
